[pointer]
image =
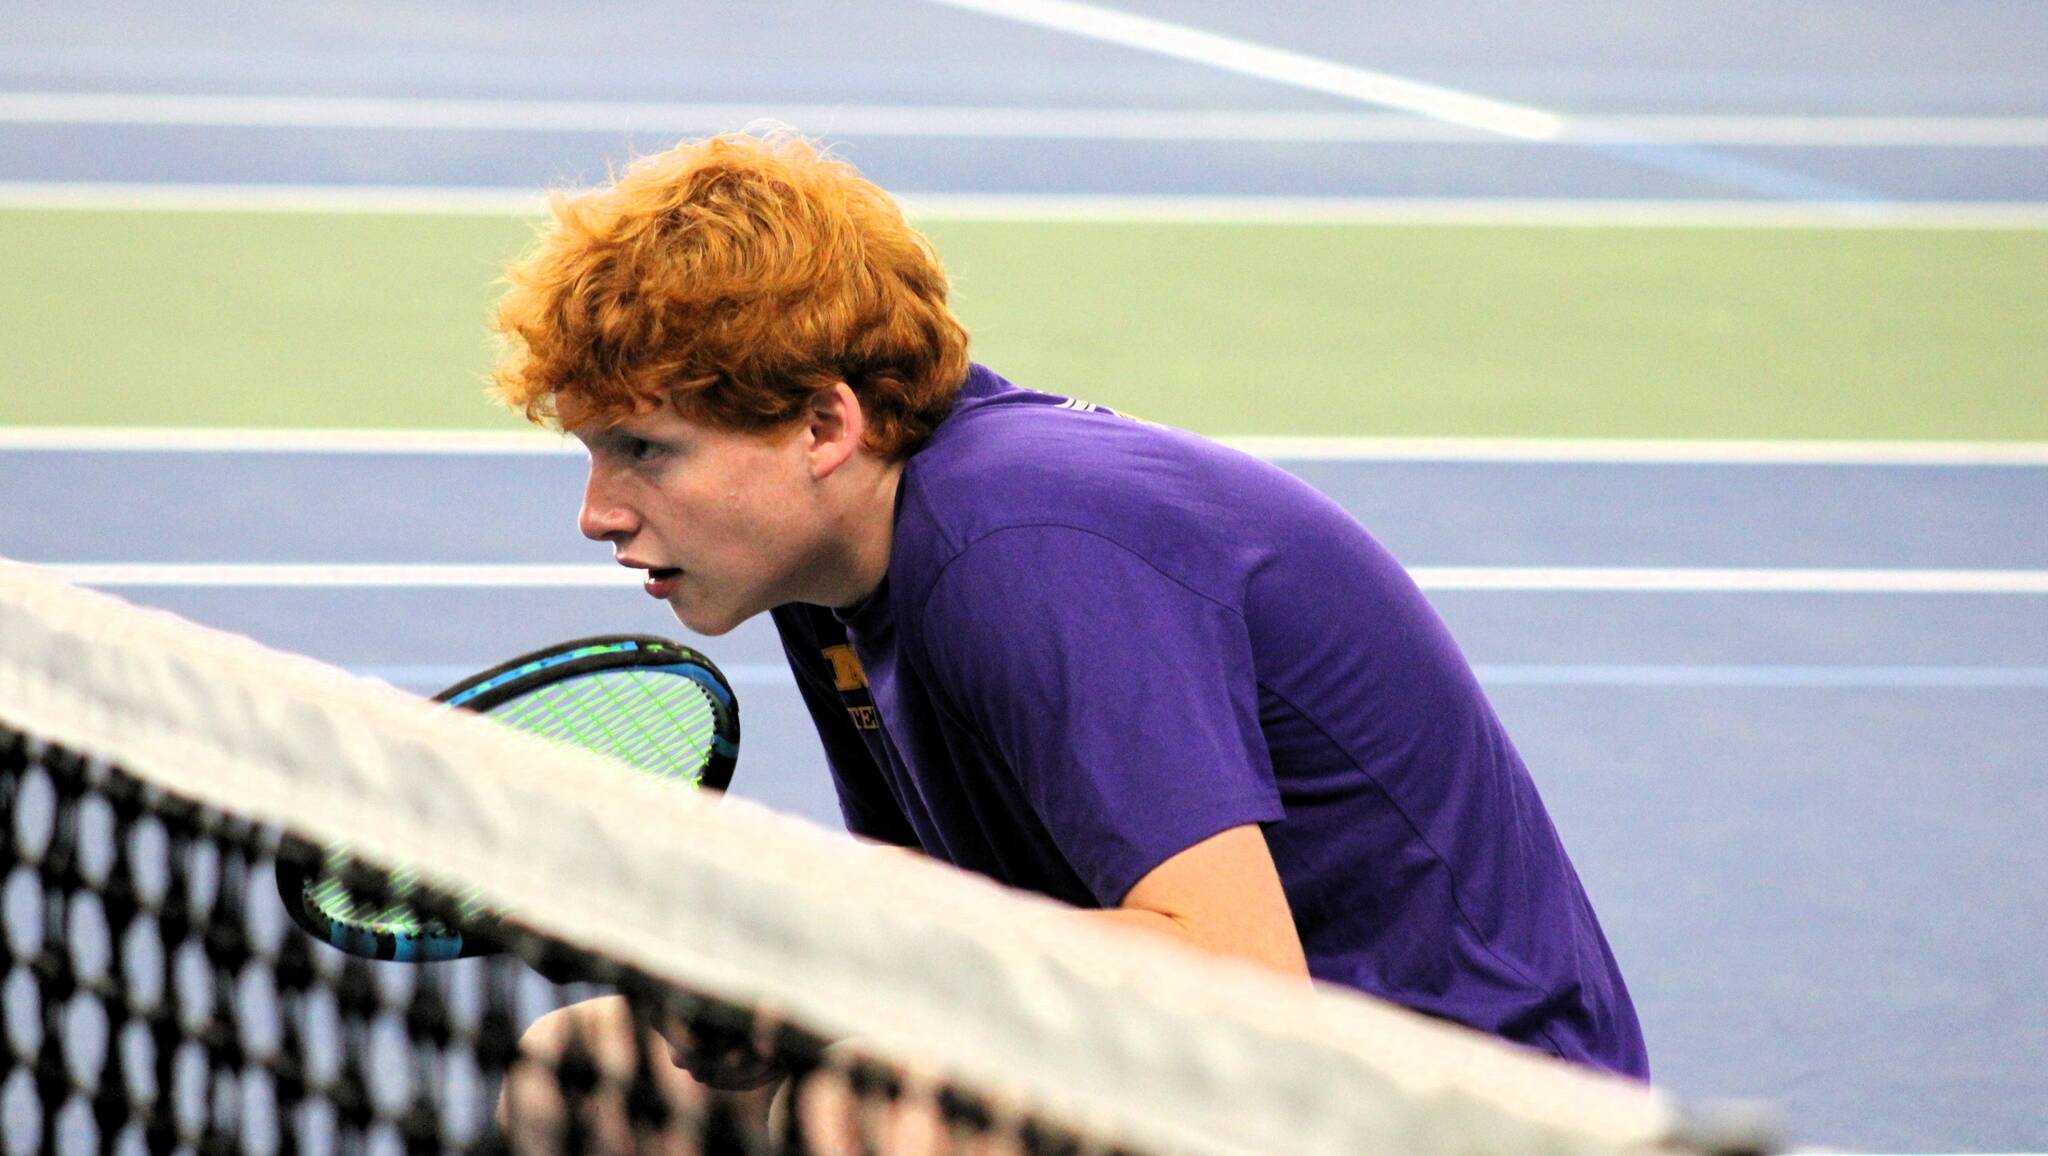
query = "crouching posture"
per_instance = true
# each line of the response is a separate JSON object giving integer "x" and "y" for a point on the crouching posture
{"x": 1081, "y": 654}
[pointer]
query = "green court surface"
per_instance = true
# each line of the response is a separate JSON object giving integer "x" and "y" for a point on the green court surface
{"x": 370, "y": 320}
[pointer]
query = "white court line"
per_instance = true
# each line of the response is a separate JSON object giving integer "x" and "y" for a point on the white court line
{"x": 178, "y": 197}
{"x": 1290, "y": 68}
{"x": 1864, "y": 677}
{"x": 1464, "y": 578}
{"x": 1798, "y": 131}
{"x": 349, "y": 575}
{"x": 843, "y": 121}
{"x": 119, "y": 439}
{"x": 1718, "y": 580}
{"x": 1861, "y": 676}
{"x": 1640, "y": 450}
{"x": 119, "y": 196}
{"x": 1498, "y": 211}
{"x": 1282, "y": 449}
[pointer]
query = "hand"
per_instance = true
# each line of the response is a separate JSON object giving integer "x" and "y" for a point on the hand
{"x": 534, "y": 1111}
{"x": 721, "y": 1061}
{"x": 835, "y": 1121}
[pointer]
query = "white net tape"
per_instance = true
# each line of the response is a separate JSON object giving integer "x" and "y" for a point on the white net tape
{"x": 1122, "y": 1037}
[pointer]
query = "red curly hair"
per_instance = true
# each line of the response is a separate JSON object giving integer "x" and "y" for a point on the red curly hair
{"x": 731, "y": 278}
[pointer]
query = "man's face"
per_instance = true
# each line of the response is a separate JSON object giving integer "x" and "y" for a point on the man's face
{"x": 727, "y": 524}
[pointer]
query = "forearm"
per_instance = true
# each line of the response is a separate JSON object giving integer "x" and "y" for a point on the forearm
{"x": 1279, "y": 953}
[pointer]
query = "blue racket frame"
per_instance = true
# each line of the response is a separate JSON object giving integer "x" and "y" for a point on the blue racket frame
{"x": 433, "y": 940}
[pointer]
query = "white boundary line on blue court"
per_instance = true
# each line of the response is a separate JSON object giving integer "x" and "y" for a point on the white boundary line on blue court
{"x": 1484, "y": 211}
{"x": 1712, "y": 675}
{"x": 1731, "y": 580}
{"x": 120, "y": 439}
{"x": 972, "y": 122}
{"x": 1648, "y": 451}
{"x": 407, "y": 200}
{"x": 1294, "y": 69}
{"x": 1829, "y": 677}
{"x": 1836, "y": 676}
{"x": 1516, "y": 579}
{"x": 1335, "y": 78}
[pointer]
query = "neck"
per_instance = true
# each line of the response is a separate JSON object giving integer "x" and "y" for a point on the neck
{"x": 870, "y": 530}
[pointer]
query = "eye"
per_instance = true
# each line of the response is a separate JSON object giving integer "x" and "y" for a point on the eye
{"x": 640, "y": 449}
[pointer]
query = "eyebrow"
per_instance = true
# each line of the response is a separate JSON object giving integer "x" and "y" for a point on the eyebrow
{"x": 610, "y": 438}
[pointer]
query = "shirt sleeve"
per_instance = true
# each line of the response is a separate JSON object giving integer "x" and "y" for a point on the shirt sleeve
{"x": 1125, "y": 702}
{"x": 865, "y": 803}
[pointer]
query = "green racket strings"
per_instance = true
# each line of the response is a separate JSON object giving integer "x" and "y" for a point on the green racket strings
{"x": 663, "y": 725}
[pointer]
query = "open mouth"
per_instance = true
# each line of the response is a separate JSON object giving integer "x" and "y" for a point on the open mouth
{"x": 661, "y": 581}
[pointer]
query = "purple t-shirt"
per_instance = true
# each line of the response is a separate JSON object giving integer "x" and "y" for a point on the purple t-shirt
{"x": 1102, "y": 641}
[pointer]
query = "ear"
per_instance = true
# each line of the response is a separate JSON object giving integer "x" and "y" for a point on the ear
{"x": 834, "y": 427}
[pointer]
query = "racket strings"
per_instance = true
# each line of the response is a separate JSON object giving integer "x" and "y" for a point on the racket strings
{"x": 331, "y": 895}
{"x": 664, "y": 725}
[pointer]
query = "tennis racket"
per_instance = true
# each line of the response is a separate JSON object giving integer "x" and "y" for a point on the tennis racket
{"x": 656, "y": 704}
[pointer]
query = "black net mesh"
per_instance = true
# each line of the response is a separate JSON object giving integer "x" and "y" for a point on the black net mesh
{"x": 158, "y": 999}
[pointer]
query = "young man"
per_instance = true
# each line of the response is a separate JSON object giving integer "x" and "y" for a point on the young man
{"x": 1083, "y": 655}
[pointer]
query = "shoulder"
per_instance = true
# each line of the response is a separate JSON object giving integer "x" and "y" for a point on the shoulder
{"x": 1062, "y": 569}
{"x": 1014, "y": 470}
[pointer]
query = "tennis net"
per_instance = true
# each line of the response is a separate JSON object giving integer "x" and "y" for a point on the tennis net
{"x": 158, "y": 999}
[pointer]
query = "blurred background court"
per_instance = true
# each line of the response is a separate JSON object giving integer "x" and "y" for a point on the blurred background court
{"x": 1764, "y": 608}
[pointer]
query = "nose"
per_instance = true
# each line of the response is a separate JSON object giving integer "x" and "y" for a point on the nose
{"x": 604, "y": 517}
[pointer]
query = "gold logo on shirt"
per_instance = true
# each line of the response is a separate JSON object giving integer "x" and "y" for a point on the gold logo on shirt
{"x": 846, "y": 670}
{"x": 848, "y": 676}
